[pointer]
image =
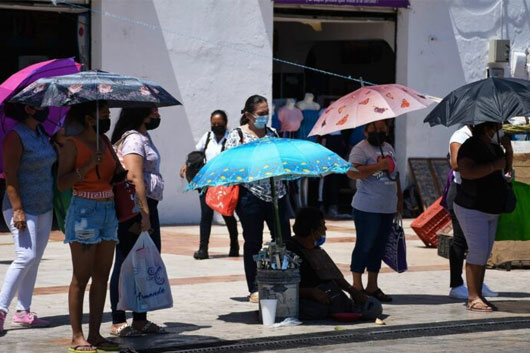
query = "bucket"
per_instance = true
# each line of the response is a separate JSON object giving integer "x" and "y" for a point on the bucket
{"x": 283, "y": 286}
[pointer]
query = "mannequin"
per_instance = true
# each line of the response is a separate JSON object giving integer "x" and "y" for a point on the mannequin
{"x": 290, "y": 117}
{"x": 307, "y": 103}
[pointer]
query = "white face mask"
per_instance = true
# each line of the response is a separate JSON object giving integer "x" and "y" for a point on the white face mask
{"x": 261, "y": 121}
{"x": 497, "y": 137}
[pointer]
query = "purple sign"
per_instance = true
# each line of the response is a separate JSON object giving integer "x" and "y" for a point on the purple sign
{"x": 382, "y": 3}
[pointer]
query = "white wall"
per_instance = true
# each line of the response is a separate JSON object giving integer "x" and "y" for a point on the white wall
{"x": 210, "y": 54}
{"x": 441, "y": 45}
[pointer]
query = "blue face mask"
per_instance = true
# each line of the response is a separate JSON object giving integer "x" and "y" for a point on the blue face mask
{"x": 320, "y": 241}
{"x": 261, "y": 121}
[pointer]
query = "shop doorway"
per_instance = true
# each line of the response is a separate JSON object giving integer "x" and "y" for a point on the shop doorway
{"x": 348, "y": 43}
{"x": 32, "y": 31}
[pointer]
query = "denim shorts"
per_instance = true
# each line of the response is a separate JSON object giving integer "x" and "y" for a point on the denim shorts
{"x": 91, "y": 221}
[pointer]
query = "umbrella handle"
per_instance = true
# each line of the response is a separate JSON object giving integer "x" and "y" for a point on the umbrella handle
{"x": 387, "y": 172}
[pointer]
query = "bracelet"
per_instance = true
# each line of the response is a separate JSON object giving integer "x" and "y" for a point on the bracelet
{"x": 79, "y": 176}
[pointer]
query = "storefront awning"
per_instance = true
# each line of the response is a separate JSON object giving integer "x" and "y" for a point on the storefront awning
{"x": 379, "y": 3}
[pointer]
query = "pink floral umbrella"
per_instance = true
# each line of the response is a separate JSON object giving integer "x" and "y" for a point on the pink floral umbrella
{"x": 369, "y": 104}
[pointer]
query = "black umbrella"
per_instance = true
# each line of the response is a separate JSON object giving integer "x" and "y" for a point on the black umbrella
{"x": 491, "y": 99}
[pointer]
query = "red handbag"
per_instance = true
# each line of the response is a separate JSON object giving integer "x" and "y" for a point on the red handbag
{"x": 125, "y": 201}
{"x": 223, "y": 199}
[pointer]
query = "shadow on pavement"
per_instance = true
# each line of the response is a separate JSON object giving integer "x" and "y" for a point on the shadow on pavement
{"x": 242, "y": 317}
{"x": 512, "y": 306}
{"x": 421, "y": 299}
{"x": 514, "y": 295}
{"x": 239, "y": 299}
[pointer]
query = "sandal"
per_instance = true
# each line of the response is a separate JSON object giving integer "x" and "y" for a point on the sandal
{"x": 107, "y": 346}
{"x": 152, "y": 328}
{"x": 125, "y": 331}
{"x": 379, "y": 295}
{"x": 479, "y": 305}
{"x": 75, "y": 349}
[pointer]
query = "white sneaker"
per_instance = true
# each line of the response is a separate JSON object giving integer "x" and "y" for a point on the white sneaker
{"x": 486, "y": 292}
{"x": 459, "y": 292}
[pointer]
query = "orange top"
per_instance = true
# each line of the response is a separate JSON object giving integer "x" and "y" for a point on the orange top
{"x": 91, "y": 183}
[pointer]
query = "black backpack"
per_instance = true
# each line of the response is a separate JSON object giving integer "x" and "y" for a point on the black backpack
{"x": 197, "y": 159}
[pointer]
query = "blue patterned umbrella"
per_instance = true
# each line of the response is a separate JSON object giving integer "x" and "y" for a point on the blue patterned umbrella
{"x": 269, "y": 158}
{"x": 88, "y": 86}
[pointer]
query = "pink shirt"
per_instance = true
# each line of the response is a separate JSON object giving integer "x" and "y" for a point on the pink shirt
{"x": 290, "y": 119}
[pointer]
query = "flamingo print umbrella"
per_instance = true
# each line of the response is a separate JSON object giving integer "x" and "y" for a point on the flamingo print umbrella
{"x": 369, "y": 104}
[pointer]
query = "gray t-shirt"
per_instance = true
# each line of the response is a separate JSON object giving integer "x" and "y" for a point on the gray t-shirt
{"x": 376, "y": 193}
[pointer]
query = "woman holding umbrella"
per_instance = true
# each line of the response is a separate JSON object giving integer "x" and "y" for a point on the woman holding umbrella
{"x": 255, "y": 199}
{"x": 27, "y": 207}
{"x": 142, "y": 160}
{"x": 375, "y": 204}
{"x": 480, "y": 198}
{"x": 91, "y": 224}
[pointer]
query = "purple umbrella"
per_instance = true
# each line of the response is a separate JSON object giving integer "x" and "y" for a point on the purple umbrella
{"x": 25, "y": 77}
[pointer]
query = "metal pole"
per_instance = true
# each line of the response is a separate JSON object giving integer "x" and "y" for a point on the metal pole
{"x": 279, "y": 239}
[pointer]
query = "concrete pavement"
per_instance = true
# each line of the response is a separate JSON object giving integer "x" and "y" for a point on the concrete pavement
{"x": 211, "y": 308}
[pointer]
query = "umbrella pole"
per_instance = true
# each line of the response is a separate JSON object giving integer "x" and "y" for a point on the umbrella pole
{"x": 97, "y": 136}
{"x": 278, "y": 239}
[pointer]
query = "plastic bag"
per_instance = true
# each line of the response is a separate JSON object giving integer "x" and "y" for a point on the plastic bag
{"x": 223, "y": 199}
{"x": 144, "y": 284}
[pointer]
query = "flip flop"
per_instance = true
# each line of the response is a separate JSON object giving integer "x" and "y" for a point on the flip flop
{"x": 75, "y": 349}
{"x": 125, "y": 330}
{"x": 479, "y": 305}
{"x": 152, "y": 328}
{"x": 107, "y": 346}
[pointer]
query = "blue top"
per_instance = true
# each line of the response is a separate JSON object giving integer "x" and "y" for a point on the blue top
{"x": 310, "y": 119}
{"x": 35, "y": 180}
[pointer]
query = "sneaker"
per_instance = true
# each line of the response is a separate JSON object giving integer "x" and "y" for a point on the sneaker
{"x": 29, "y": 319}
{"x": 487, "y": 292}
{"x": 253, "y": 297}
{"x": 3, "y": 315}
{"x": 459, "y": 292}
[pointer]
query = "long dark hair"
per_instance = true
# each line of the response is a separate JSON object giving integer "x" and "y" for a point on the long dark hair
{"x": 15, "y": 111}
{"x": 77, "y": 112}
{"x": 250, "y": 107}
{"x": 130, "y": 119}
{"x": 308, "y": 219}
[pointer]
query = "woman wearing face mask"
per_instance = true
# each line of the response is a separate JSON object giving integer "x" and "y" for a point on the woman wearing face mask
{"x": 375, "y": 204}
{"x": 212, "y": 143}
{"x": 322, "y": 284}
{"x": 27, "y": 207}
{"x": 255, "y": 199}
{"x": 140, "y": 157}
{"x": 479, "y": 200}
{"x": 87, "y": 165}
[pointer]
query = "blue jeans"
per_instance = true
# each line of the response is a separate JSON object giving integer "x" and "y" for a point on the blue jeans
{"x": 127, "y": 240}
{"x": 253, "y": 212}
{"x": 90, "y": 221}
{"x": 372, "y": 235}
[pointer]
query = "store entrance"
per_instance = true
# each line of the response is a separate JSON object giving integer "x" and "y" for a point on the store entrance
{"x": 345, "y": 45}
{"x": 31, "y": 36}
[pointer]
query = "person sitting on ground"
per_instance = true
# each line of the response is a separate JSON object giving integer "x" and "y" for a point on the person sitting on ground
{"x": 322, "y": 284}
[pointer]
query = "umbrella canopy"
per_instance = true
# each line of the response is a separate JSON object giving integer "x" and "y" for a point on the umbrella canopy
{"x": 491, "y": 99}
{"x": 369, "y": 104}
{"x": 87, "y": 86}
{"x": 269, "y": 158}
{"x": 26, "y": 76}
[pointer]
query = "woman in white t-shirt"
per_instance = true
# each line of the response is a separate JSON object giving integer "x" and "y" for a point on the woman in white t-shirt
{"x": 213, "y": 143}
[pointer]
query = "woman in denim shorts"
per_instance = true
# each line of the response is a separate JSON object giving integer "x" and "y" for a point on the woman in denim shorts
{"x": 91, "y": 224}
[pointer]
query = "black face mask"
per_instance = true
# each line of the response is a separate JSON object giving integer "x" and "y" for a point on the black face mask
{"x": 41, "y": 115}
{"x": 376, "y": 138}
{"x": 104, "y": 126}
{"x": 152, "y": 124}
{"x": 219, "y": 130}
